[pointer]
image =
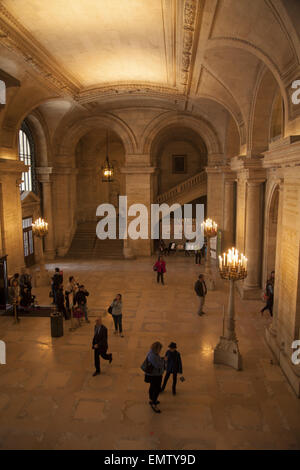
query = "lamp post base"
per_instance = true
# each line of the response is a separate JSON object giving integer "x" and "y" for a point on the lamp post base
{"x": 227, "y": 352}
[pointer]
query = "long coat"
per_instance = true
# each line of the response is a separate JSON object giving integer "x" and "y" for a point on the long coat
{"x": 100, "y": 338}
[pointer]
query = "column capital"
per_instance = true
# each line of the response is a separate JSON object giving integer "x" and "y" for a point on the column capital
{"x": 249, "y": 168}
{"x": 44, "y": 173}
{"x": 135, "y": 169}
{"x": 215, "y": 159}
{"x": 12, "y": 166}
{"x": 137, "y": 159}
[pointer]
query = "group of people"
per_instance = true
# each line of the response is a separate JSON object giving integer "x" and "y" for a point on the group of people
{"x": 71, "y": 301}
{"x": 154, "y": 367}
{"x": 20, "y": 289}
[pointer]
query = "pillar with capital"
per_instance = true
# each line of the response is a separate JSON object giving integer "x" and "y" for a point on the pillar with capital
{"x": 139, "y": 190}
{"x": 250, "y": 176}
{"x": 229, "y": 213}
{"x": 11, "y": 213}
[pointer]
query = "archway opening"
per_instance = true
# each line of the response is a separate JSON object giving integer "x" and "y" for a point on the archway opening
{"x": 272, "y": 234}
{"x": 91, "y": 191}
{"x": 179, "y": 153}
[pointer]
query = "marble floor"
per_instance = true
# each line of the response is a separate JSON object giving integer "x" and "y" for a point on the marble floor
{"x": 49, "y": 399}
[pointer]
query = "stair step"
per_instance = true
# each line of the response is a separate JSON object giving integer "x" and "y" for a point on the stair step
{"x": 85, "y": 244}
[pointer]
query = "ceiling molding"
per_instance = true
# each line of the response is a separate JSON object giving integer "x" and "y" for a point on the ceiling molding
{"x": 189, "y": 15}
{"x": 16, "y": 38}
{"x": 101, "y": 93}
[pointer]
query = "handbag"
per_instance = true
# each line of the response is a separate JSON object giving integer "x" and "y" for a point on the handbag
{"x": 147, "y": 367}
{"x": 155, "y": 268}
{"x": 110, "y": 309}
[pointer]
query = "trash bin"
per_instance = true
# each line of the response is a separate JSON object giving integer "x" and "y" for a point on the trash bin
{"x": 57, "y": 325}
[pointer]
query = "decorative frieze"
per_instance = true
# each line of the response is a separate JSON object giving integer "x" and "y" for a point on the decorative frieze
{"x": 190, "y": 9}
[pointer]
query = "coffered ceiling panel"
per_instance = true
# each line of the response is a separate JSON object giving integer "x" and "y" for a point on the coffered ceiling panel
{"x": 100, "y": 41}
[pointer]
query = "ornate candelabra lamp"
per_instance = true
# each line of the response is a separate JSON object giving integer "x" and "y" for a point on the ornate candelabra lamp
{"x": 232, "y": 267}
{"x": 40, "y": 228}
{"x": 210, "y": 230}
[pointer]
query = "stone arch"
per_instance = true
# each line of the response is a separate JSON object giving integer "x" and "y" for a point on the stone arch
{"x": 41, "y": 138}
{"x": 262, "y": 105}
{"x": 217, "y": 43}
{"x": 79, "y": 128}
{"x": 169, "y": 119}
{"x": 277, "y": 119}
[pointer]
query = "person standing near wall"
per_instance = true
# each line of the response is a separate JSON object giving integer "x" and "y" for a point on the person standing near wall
{"x": 269, "y": 294}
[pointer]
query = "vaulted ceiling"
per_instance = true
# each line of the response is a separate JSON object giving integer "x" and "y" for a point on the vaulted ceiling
{"x": 186, "y": 53}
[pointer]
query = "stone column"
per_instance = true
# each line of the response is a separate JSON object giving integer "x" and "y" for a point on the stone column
{"x": 139, "y": 191}
{"x": 253, "y": 236}
{"x": 11, "y": 213}
{"x": 250, "y": 175}
{"x": 229, "y": 208}
{"x": 215, "y": 194}
{"x": 44, "y": 175}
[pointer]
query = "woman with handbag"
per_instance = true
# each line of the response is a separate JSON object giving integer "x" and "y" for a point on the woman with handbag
{"x": 153, "y": 366}
{"x": 116, "y": 311}
{"x": 160, "y": 269}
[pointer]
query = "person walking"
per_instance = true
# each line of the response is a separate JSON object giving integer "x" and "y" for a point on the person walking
{"x": 269, "y": 295}
{"x": 80, "y": 300}
{"x": 173, "y": 366}
{"x": 100, "y": 345}
{"x": 153, "y": 366}
{"x": 116, "y": 311}
{"x": 198, "y": 256}
{"x": 160, "y": 268}
{"x": 201, "y": 291}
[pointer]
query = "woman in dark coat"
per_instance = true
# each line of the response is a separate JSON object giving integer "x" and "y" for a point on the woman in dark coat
{"x": 154, "y": 373}
{"x": 173, "y": 366}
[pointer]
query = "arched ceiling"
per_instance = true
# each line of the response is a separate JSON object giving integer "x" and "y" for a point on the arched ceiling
{"x": 102, "y": 54}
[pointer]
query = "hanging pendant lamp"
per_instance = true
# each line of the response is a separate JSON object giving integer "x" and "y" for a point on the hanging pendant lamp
{"x": 107, "y": 168}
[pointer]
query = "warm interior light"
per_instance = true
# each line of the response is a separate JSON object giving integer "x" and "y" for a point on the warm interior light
{"x": 40, "y": 227}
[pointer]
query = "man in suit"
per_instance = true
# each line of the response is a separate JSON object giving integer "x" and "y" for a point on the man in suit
{"x": 100, "y": 345}
{"x": 201, "y": 291}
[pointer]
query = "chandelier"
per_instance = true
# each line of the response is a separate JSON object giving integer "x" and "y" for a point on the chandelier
{"x": 233, "y": 265}
{"x": 210, "y": 228}
{"x": 107, "y": 168}
{"x": 40, "y": 228}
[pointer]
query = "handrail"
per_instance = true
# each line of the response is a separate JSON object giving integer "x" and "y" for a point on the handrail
{"x": 182, "y": 187}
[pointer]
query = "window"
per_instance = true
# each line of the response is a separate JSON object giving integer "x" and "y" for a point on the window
{"x": 26, "y": 155}
{"x": 28, "y": 241}
{"x": 179, "y": 163}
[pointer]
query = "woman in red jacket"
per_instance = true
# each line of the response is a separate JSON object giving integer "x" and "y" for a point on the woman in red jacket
{"x": 160, "y": 268}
